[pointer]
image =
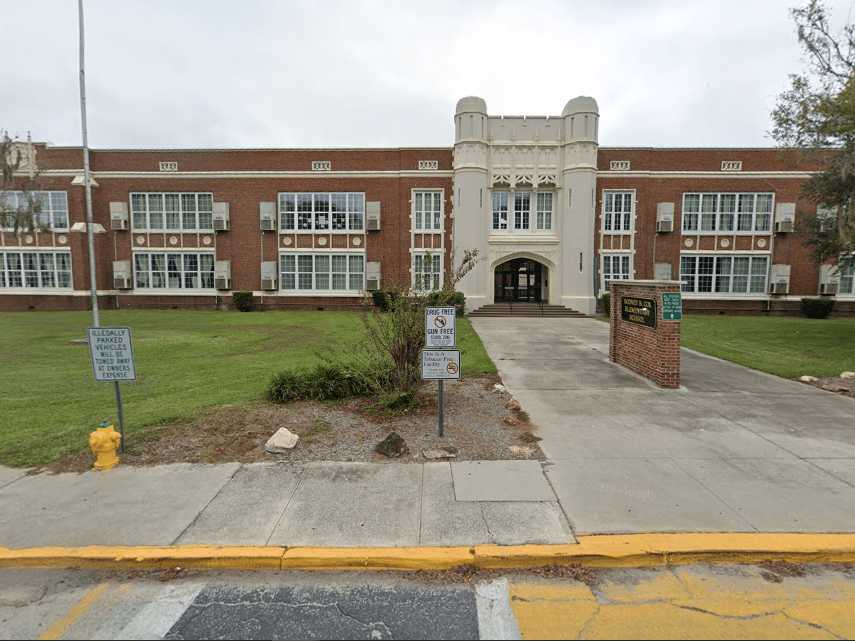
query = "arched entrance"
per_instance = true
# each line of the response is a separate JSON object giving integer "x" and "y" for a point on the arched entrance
{"x": 520, "y": 280}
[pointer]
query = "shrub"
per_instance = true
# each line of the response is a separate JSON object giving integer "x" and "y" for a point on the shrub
{"x": 445, "y": 297}
{"x": 384, "y": 299}
{"x": 817, "y": 307}
{"x": 244, "y": 301}
{"x": 325, "y": 382}
{"x": 606, "y": 302}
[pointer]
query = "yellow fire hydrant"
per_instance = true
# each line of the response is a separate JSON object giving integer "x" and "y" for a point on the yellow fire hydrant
{"x": 104, "y": 442}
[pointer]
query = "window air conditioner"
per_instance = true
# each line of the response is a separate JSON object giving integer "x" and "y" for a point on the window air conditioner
{"x": 828, "y": 289}
{"x": 222, "y": 282}
{"x": 665, "y": 226}
{"x": 118, "y": 223}
{"x": 122, "y": 282}
{"x": 784, "y": 227}
{"x": 268, "y": 224}
{"x": 372, "y": 216}
{"x": 221, "y": 217}
{"x": 372, "y": 284}
{"x": 268, "y": 284}
{"x": 780, "y": 287}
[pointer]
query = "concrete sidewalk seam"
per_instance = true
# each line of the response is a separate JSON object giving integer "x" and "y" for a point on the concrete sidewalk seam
{"x": 626, "y": 551}
{"x": 207, "y": 505}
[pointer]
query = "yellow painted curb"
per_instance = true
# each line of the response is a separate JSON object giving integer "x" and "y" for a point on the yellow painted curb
{"x": 189, "y": 556}
{"x": 633, "y": 550}
{"x": 422, "y": 558}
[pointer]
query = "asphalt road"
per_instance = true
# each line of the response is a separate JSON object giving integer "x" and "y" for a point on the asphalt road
{"x": 771, "y": 601}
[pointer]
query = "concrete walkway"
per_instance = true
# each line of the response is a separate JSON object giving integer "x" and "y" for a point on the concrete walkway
{"x": 314, "y": 504}
{"x": 735, "y": 450}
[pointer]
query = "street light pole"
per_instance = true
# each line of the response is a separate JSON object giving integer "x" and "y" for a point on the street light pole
{"x": 87, "y": 180}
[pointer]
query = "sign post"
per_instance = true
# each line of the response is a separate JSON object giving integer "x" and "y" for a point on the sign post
{"x": 440, "y": 361}
{"x": 112, "y": 355}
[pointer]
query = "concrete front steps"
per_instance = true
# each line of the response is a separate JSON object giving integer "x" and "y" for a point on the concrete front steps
{"x": 526, "y": 310}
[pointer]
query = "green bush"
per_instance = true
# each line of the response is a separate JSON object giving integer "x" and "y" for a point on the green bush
{"x": 326, "y": 382}
{"x": 443, "y": 298}
{"x": 244, "y": 301}
{"x": 606, "y": 302}
{"x": 384, "y": 298}
{"x": 817, "y": 307}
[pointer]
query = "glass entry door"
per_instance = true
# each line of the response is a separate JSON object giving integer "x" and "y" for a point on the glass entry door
{"x": 519, "y": 280}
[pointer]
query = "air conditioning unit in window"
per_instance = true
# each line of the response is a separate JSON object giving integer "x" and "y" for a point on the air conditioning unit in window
{"x": 268, "y": 284}
{"x": 780, "y": 287}
{"x": 665, "y": 226}
{"x": 122, "y": 282}
{"x": 267, "y": 214}
{"x": 122, "y": 275}
{"x": 221, "y": 217}
{"x": 785, "y": 227}
{"x": 372, "y": 276}
{"x": 372, "y": 284}
{"x": 119, "y": 216}
{"x": 828, "y": 289}
{"x": 664, "y": 218}
{"x": 223, "y": 275}
{"x": 268, "y": 276}
{"x": 372, "y": 216}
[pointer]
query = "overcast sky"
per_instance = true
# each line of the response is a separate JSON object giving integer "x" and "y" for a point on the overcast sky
{"x": 268, "y": 73}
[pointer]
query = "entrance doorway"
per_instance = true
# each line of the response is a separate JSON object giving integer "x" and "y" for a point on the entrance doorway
{"x": 519, "y": 281}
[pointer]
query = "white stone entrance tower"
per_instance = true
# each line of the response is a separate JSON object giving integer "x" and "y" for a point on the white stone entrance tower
{"x": 554, "y": 155}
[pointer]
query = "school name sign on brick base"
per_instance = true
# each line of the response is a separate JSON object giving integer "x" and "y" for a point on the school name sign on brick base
{"x": 644, "y": 331}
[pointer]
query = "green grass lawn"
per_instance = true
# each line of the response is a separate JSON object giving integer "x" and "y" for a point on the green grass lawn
{"x": 786, "y": 346}
{"x": 186, "y": 361}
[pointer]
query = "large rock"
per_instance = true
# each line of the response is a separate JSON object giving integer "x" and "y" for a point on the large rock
{"x": 440, "y": 454}
{"x": 283, "y": 441}
{"x": 393, "y": 446}
{"x": 847, "y": 375}
{"x": 513, "y": 405}
{"x": 808, "y": 379}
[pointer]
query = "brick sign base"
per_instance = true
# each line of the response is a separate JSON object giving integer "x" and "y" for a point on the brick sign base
{"x": 640, "y": 339}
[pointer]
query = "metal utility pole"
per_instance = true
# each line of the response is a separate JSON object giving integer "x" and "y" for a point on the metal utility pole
{"x": 87, "y": 179}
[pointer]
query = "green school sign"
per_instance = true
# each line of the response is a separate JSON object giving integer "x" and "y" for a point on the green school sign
{"x": 672, "y": 306}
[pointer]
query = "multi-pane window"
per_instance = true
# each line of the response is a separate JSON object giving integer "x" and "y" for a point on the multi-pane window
{"x": 427, "y": 272}
{"x": 174, "y": 270}
{"x": 526, "y": 205}
{"x": 322, "y": 272}
{"x": 847, "y": 280}
{"x": 618, "y": 211}
{"x": 43, "y": 270}
{"x": 616, "y": 267}
{"x": 160, "y": 211}
{"x": 544, "y": 210}
{"x": 522, "y": 209}
{"x": 500, "y": 210}
{"x": 49, "y": 208}
{"x": 427, "y": 211}
{"x": 321, "y": 211}
{"x": 727, "y": 212}
{"x": 731, "y": 274}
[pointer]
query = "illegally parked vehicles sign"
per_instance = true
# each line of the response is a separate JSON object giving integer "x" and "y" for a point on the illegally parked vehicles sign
{"x": 440, "y": 327}
{"x": 112, "y": 354}
{"x": 441, "y": 365}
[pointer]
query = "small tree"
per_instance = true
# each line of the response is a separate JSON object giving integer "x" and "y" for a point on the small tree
{"x": 20, "y": 206}
{"x": 817, "y": 115}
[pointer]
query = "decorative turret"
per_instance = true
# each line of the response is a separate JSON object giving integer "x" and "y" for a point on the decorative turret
{"x": 581, "y": 120}
{"x": 470, "y": 120}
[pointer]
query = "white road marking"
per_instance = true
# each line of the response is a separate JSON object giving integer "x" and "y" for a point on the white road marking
{"x": 156, "y": 619}
{"x": 496, "y": 619}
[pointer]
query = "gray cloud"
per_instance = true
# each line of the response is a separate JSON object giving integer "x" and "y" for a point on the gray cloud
{"x": 215, "y": 73}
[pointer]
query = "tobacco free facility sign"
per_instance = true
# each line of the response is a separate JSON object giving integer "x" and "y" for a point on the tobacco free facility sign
{"x": 440, "y": 326}
{"x": 441, "y": 365}
{"x": 112, "y": 354}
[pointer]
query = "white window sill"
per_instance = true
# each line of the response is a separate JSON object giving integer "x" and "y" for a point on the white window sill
{"x": 153, "y": 291}
{"x": 322, "y": 231}
{"x": 170, "y": 231}
{"x": 727, "y": 233}
{"x": 35, "y": 291}
{"x": 318, "y": 293}
{"x": 612, "y": 232}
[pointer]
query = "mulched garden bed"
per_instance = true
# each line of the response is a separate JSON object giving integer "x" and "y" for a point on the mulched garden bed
{"x": 479, "y": 425}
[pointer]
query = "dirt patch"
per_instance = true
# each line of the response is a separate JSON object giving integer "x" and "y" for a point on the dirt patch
{"x": 476, "y": 425}
{"x": 842, "y": 386}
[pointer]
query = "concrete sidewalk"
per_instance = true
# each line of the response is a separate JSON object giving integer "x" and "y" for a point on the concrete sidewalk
{"x": 735, "y": 450}
{"x": 285, "y": 504}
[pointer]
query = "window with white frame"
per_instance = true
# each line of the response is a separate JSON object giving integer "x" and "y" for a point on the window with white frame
{"x": 427, "y": 271}
{"x": 427, "y": 210}
{"x": 35, "y": 270}
{"x": 713, "y": 213}
{"x": 847, "y": 280}
{"x": 500, "y": 210}
{"x": 172, "y": 211}
{"x": 618, "y": 210}
{"x": 322, "y": 272}
{"x": 544, "y": 211}
{"x": 174, "y": 270}
{"x": 522, "y": 210}
{"x": 49, "y": 208}
{"x": 724, "y": 274}
{"x": 616, "y": 267}
{"x": 321, "y": 211}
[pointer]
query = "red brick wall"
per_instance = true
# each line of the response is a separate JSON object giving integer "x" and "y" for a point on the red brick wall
{"x": 653, "y": 352}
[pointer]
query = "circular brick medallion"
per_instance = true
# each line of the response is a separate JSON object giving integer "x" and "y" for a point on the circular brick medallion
{"x": 206, "y": 240}
{"x": 761, "y": 242}
{"x": 357, "y": 242}
{"x": 689, "y": 242}
{"x": 62, "y": 239}
{"x": 173, "y": 240}
{"x": 140, "y": 240}
{"x": 725, "y": 242}
{"x": 322, "y": 242}
{"x": 287, "y": 241}
{"x": 28, "y": 239}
